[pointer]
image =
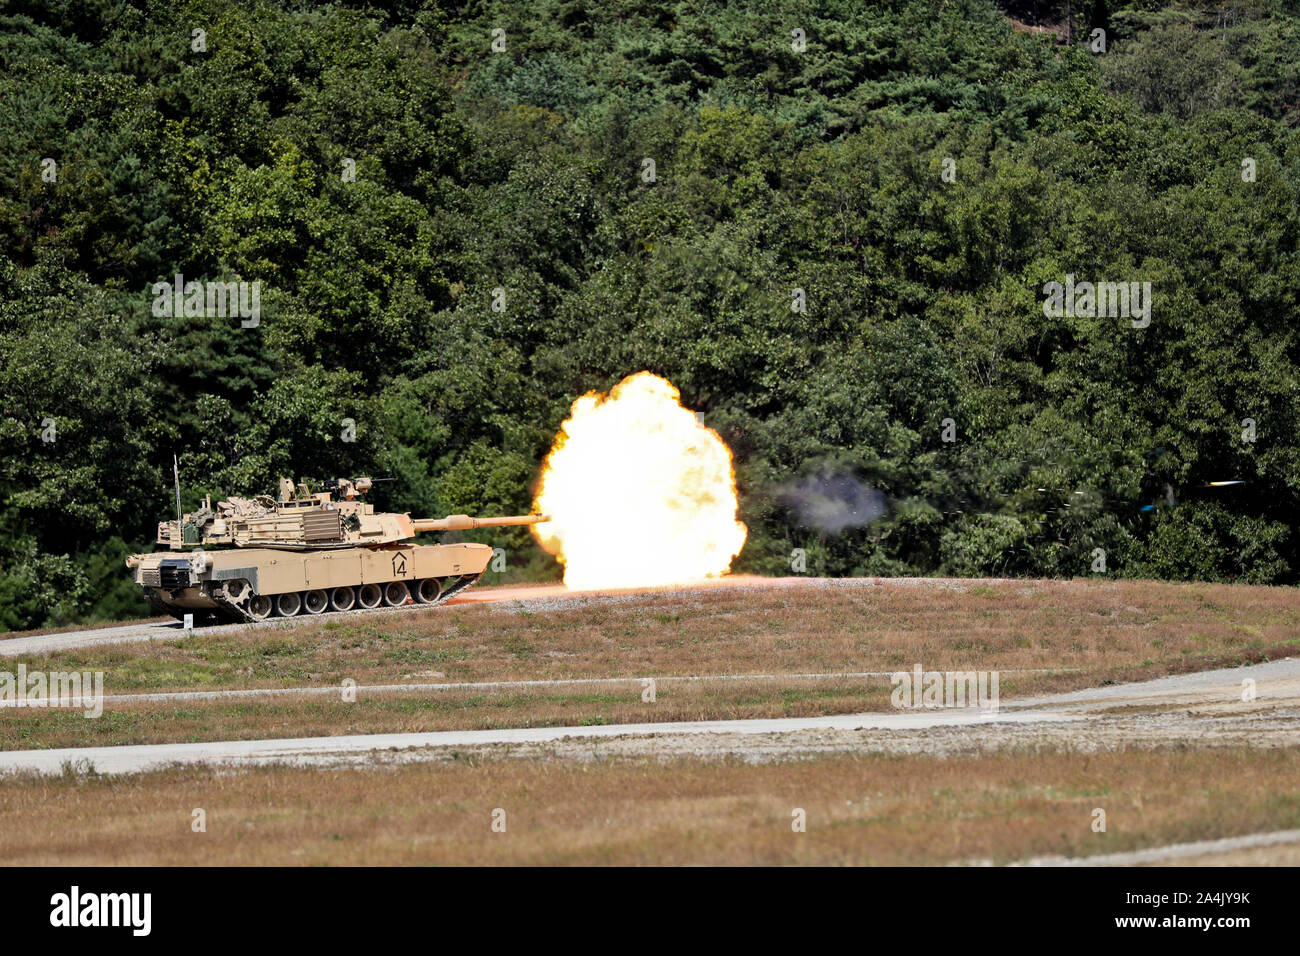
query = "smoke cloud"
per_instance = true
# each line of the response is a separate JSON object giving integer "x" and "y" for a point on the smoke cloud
{"x": 833, "y": 501}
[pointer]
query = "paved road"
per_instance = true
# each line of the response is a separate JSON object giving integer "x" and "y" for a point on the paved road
{"x": 1279, "y": 848}
{"x": 312, "y": 749}
{"x": 1274, "y": 680}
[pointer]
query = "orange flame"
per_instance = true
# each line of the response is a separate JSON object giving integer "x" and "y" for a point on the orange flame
{"x": 640, "y": 493}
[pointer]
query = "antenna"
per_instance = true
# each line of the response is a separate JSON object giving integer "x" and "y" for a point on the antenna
{"x": 176, "y": 474}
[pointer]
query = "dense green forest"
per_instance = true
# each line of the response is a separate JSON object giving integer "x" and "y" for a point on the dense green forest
{"x": 650, "y": 183}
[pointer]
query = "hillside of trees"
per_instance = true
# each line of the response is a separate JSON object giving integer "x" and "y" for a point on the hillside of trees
{"x": 919, "y": 168}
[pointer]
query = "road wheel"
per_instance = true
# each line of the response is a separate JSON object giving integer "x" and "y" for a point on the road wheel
{"x": 428, "y": 591}
{"x": 369, "y": 596}
{"x": 342, "y": 599}
{"x": 315, "y": 601}
{"x": 288, "y": 604}
{"x": 259, "y": 607}
{"x": 396, "y": 594}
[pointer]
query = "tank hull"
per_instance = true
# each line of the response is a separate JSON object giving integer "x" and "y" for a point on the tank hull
{"x": 252, "y": 584}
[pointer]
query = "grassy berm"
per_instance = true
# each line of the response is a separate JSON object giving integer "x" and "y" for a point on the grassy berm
{"x": 1042, "y": 636}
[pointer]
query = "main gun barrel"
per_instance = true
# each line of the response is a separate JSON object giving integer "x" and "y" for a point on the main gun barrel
{"x": 465, "y": 522}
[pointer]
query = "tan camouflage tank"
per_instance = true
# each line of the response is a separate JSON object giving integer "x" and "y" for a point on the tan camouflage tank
{"x": 308, "y": 553}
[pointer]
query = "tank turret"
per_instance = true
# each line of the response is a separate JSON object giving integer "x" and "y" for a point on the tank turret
{"x": 304, "y": 520}
{"x": 307, "y": 552}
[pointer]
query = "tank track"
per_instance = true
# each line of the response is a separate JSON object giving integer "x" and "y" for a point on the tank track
{"x": 236, "y": 611}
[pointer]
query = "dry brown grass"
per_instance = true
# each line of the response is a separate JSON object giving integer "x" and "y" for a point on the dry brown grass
{"x": 869, "y": 809}
{"x": 1109, "y": 629}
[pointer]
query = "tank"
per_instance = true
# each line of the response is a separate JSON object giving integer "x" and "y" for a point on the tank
{"x": 308, "y": 553}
